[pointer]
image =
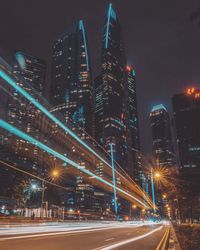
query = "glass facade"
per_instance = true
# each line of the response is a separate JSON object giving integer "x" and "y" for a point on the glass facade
{"x": 163, "y": 150}
{"x": 71, "y": 87}
{"x": 116, "y": 120}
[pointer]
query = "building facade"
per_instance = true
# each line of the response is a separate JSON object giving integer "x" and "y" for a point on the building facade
{"x": 186, "y": 109}
{"x": 32, "y": 69}
{"x": 133, "y": 141}
{"x": 72, "y": 93}
{"x": 71, "y": 86}
{"x": 116, "y": 120}
{"x": 163, "y": 150}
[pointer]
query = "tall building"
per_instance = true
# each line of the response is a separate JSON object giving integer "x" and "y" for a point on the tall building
{"x": 32, "y": 69}
{"x": 72, "y": 93}
{"x": 133, "y": 142}
{"x": 71, "y": 86}
{"x": 110, "y": 105}
{"x": 29, "y": 73}
{"x": 116, "y": 120}
{"x": 163, "y": 150}
{"x": 186, "y": 108}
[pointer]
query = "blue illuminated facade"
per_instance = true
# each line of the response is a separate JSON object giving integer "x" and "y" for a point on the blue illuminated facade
{"x": 72, "y": 92}
{"x": 116, "y": 119}
{"x": 71, "y": 86}
{"x": 110, "y": 124}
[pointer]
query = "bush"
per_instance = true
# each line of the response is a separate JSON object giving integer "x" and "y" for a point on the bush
{"x": 189, "y": 236}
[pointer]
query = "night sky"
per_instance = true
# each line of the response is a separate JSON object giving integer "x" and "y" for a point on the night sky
{"x": 161, "y": 41}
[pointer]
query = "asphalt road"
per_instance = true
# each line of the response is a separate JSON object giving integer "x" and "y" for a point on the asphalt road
{"x": 82, "y": 237}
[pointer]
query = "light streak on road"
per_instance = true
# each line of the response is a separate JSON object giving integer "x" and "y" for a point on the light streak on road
{"x": 124, "y": 242}
{"x": 23, "y": 232}
{"x": 49, "y": 150}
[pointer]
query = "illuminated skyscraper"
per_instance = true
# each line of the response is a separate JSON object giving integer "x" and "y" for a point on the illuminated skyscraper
{"x": 71, "y": 86}
{"x": 72, "y": 92}
{"x": 163, "y": 150}
{"x": 110, "y": 105}
{"x": 116, "y": 120}
{"x": 133, "y": 142}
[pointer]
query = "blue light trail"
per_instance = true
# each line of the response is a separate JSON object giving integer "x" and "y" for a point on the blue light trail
{"x": 26, "y": 137}
{"x": 114, "y": 179}
{"x": 13, "y": 84}
{"x": 153, "y": 191}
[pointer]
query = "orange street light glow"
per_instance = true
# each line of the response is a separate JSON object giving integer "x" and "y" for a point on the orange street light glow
{"x": 157, "y": 174}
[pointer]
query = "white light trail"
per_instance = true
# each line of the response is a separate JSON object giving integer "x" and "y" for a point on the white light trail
{"x": 119, "y": 244}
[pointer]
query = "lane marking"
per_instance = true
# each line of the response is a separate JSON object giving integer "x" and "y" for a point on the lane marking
{"x": 119, "y": 244}
{"x": 109, "y": 239}
{"x": 162, "y": 240}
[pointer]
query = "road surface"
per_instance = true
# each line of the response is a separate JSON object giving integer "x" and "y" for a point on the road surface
{"x": 82, "y": 236}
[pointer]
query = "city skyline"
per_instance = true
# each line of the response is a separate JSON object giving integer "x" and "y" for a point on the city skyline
{"x": 100, "y": 125}
{"x": 143, "y": 54}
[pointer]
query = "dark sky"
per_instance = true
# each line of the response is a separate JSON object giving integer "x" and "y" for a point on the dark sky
{"x": 161, "y": 42}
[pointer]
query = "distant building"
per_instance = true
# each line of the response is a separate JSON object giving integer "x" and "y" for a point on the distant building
{"x": 186, "y": 108}
{"x": 133, "y": 142}
{"x": 32, "y": 69}
{"x": 163, "y": 150}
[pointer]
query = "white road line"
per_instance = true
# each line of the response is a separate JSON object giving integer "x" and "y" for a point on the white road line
{"x": 109, "y": 239}
{"x": 113, "y": 246}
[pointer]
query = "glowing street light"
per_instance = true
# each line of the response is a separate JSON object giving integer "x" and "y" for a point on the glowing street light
{"x": 134, "y": 206}
{"x": 34, "y": 186}
{"x": 157, "y": 175}
{"x": 55, "y": 173}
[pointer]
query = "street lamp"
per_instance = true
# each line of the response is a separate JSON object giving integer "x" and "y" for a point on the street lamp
{"x": 157, "y": 175}
{"x": 34, "y": 186}
{"x": 55, "y": 173}
{"x": 134, "y": 206}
